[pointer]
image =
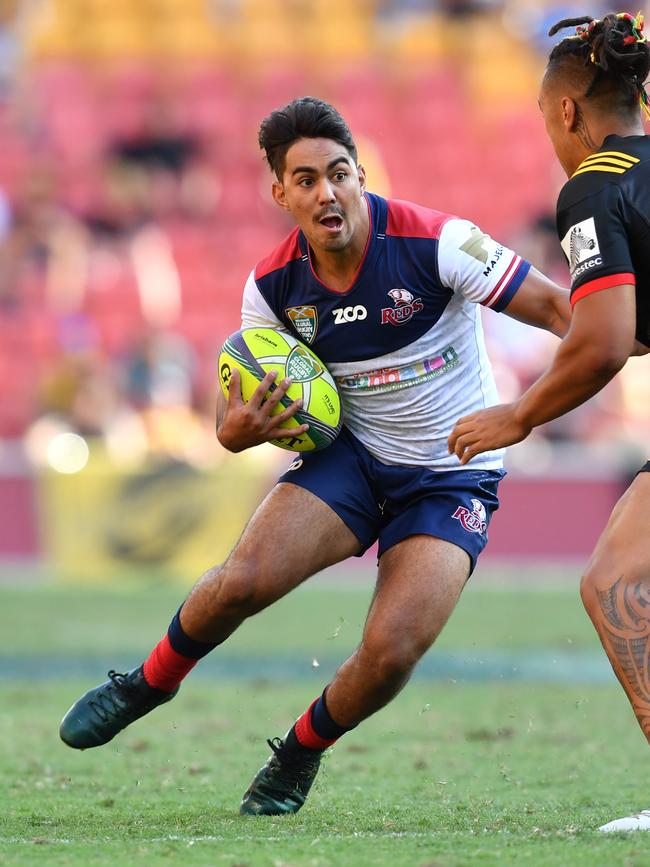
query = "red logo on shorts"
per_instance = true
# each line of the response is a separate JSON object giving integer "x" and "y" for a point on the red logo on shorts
{"x": 474, "y": 521}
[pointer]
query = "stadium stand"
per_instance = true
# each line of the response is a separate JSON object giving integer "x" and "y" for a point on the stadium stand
{"x": 133, "y": 115}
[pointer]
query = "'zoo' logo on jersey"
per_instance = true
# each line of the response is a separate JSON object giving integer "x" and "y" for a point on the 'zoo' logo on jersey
{"x": 474, "y": 521}
{"x": 581, "y": 244}
{"x": 405, "y": 306}
{"x": 349, "y": 314}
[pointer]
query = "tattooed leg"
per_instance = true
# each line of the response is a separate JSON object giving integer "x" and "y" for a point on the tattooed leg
{"x": 622, "y": 618}
{"x": 616, "y": 592}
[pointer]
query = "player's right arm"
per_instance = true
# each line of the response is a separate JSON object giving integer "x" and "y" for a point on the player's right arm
{"x": 600, "y": 339}
{"x": 599, "y": 342}
{"x": 541, "y": 303}
{"x": 242, "y": 425}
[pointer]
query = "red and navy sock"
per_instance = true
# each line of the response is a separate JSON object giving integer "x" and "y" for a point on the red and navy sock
{"x": 173, "y": 657}
{"x": 315, "y": 729}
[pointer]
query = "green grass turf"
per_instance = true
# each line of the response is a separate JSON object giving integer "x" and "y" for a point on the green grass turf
{"x": 326, "y": 617}
{"x": 448, "y": 775}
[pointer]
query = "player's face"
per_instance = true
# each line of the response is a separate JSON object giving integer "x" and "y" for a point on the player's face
{"x": 322, "y": 188}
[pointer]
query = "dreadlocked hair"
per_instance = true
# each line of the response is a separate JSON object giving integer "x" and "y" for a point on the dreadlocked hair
{"x": 614, "y": 53}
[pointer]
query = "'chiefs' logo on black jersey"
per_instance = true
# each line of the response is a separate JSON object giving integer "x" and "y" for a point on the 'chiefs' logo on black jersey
{"x": 405, "y": 307}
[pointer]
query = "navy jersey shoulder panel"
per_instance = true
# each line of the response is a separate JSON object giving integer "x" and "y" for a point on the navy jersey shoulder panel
{"x": 286, "y": 251}
{"x": 275, "y": 274}
{"x": 418, "y": 229}
{"x": 396, "y": 298}
{"x": 408, "y": 220}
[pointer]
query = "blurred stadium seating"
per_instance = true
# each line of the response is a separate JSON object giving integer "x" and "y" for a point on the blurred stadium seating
{"x": 134, "y": 200}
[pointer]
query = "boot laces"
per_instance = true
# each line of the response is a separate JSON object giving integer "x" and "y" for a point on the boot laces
{"x": 110, "y": 701}
{"x": 292, "y": 766}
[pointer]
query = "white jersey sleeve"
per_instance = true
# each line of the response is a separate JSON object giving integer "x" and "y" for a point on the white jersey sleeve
{"x": 255, "y": 312}
{"x": 475, "y": 266}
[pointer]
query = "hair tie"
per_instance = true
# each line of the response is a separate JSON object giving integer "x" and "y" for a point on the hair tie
{"x": 636, "y": 24}
{"x": 644, "y": 101}
{"x": 584, "y": 33}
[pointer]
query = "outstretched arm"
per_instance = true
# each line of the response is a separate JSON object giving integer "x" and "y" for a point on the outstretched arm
{"x": 598, "y": 343}
{"x": 541, "y": 303}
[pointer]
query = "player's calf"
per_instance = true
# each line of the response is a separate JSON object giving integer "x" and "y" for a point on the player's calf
{"x": 618, "y": 605}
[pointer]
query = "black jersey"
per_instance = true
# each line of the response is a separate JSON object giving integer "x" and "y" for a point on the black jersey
{"x": 603, "y": 220}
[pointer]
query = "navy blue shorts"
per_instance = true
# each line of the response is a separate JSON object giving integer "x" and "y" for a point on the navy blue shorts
{"x": 645, "y": 468}
{"x": 389, "y": 503}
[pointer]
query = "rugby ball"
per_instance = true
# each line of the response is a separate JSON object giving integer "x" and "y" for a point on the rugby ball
{"x": 255, "y": 352}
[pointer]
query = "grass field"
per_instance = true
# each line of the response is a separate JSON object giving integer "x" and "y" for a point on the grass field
{"x": 510, "y": 747}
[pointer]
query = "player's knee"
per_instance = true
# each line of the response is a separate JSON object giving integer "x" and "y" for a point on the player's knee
{"x": 588, "y": 592}
{"x": 392, "y": 661}
{"x": 602, "y": 574}
{"x": 240, "y": 593}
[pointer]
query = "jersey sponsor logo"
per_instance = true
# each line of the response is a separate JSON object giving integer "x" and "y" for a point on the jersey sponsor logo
{"x": 581, "y": 244}
{"x": 474, "y": 520}
{"x": 405, "y": 307}
{"x": 482, "y": 248}
{"x": 349, "y": 314}
{"x": 295, "y": 465}
{"x": 476, "y": 245}
{"x": 494, "y": 261}
{"x": 591, "y": 263}
{"x": 397, "y": 378}
{"x": 304, "y": 320}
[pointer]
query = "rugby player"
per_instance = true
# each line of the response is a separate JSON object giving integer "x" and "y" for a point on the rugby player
{"x": 592, "y": 98}
{"x": 386, "y": 293}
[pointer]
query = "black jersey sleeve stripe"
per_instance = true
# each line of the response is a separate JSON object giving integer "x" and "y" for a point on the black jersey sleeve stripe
{"x": 601, "y": 283}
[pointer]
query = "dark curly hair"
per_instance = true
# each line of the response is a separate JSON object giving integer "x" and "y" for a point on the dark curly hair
{"x": 607, "y": 57}
{"x": 306, "y": 117}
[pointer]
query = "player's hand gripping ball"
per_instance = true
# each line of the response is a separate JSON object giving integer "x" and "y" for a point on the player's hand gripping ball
{"x": 256, "y": 351}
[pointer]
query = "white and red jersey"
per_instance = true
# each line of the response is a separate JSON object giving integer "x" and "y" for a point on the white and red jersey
{"x": 404, "y": 342}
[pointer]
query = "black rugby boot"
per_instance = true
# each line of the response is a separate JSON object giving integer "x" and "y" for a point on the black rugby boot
{"x": 283, "y": 784}
{"x": 104, "y": 711}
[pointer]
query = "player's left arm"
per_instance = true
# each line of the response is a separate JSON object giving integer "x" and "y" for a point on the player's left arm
{"x": 542, "y": 303}
{"x": 600, "y": 339}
